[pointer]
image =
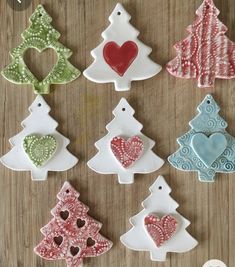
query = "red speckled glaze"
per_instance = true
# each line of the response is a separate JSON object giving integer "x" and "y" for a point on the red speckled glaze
{"x": 127, "y": 152}
{"x": 206, "y": 53}
{"x": 119, "y": 58}
{"x": 72, "y": 234}
{"x": 160, "y": 230}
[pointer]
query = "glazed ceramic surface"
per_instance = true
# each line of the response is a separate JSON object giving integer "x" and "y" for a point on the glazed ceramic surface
{"x": 125, "y": 127}
{"x": 168, "y": 234}
{"x": 121, "y": 57}
{"x": 39, "y": 124}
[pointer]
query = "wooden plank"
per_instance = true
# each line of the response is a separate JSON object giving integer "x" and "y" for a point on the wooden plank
{"x": 163, "y": 104}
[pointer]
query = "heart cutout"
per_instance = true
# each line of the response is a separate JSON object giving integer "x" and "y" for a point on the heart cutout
{"x": 58, "y": 240}
{"x": 39, "y": 149}
{"x": 40, "y": 63}
{"x": 64, "y": 214}
{"x": 80, "y": 223}
{"x": 119, "y": 58}
{"x": 162, "y": 229}
{"x": 128, "y": 151}
{"x": 90, "y": 242}
{"x": 74, "y": 251}
{"x": 208, "y": 149}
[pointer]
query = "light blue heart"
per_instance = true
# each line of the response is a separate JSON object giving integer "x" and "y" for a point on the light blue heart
{"x": 208, "y": 149}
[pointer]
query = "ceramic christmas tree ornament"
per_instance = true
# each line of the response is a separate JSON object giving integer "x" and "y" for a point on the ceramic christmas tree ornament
{"x": 40, "y": 35}
{"x": 159, "y": 228}
{"x": 207, "y": 148}
{"x": 72, "y": 234}
{"x": 125, "y": 150}
{"x": 207, "y": 53}
{"x": 121, "y": 57}
{"x": 39, "y": 148}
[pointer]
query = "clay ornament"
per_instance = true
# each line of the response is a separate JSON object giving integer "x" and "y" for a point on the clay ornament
{"x": 71, "y": 234}
{"x": 125, "y": 150}
{"x": 159, "y": 228}
{"x": 40, "y": 35}
{"x": 39, "y": 148}
{"x": 121, "y": 57}
{"x": 207, "y": 53}
{"x": 207, "y": 148}
{"x": 162, "y": 229}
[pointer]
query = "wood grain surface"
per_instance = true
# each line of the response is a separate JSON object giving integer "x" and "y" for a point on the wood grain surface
{"x": 82, "y": 108}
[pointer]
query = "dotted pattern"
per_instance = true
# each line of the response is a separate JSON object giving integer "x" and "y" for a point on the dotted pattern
{"x": 74, "y": 244}
{"x": 207, "y": 53}
{"x": 127, "y": 152}
{"x": 39, "y": 150}
{"x": 162, "y": 229}
{"x": 208, "y": 122}
{"x": 40, "y": 35}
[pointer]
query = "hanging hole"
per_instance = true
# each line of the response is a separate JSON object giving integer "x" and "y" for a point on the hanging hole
{"x": 90, "y": 242}
{"x": 160, "y": 187}
{"x": 74, "y": 251}
{"x": 123, "y": 109}
{"x": 207, "y": 7}
{"x": 39, "y": 104}
{"x": 119, "y": 13}
{"x": 67, "y": 191}
{"x": 58, "y": 240}
{"x": 64, "y": 215}
{"x": 40, "y": 14}
{"x": 208, "y": 102}
{"x": 80, "y": 223}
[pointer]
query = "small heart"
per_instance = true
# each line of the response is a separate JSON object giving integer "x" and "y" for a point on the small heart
{"x": 90, "y": 242}
{"x": 127, "y": 152}
{"x": 39, "y": 149}
{"x": 80, "y": 223}
{"x": 40, "y": 63}
{"x": 64, "y": 215}
{"x": 208, "y": 149}
{"x": 74, "y": 251}
{"x": 58, "y": 240}
{"x": 119, "y": 58}
{"x": 162, "y": 229}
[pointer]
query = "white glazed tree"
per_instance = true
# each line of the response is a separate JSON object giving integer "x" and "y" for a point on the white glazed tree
{"x": 39, "y": 123}
{"x": 121, "y": 57}
{"x": 126, "y": 126}
{"x": 161, "y": 204}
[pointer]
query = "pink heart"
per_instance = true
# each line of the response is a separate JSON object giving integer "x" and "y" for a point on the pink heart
{"x": 127, "y": 152}
{"x": 162, "y": 229}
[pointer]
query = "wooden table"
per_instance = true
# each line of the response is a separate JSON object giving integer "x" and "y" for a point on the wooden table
{"x": 163, "y": 104}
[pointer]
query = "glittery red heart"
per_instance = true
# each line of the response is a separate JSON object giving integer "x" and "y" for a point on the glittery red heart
{"x": 162, "y": 229}
{"x": 127, "y": 152}
{"x": 119, "y": 58}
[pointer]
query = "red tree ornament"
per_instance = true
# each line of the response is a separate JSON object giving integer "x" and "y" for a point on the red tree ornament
{"x": 72, "y": 234}
{"x": 206, "y": 53}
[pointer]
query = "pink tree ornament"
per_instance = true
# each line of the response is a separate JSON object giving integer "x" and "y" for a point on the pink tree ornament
{"x": 207, "y": 53}
{"x": 72, "y": 234}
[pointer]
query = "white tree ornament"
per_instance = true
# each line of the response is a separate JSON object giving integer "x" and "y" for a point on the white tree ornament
{"x": 39, "y": 148}
{"x": 121, "y": 57}
{"x": 125, "y": 150}
{"x": 159, "y": 228}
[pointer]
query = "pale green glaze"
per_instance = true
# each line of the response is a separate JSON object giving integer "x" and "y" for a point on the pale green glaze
{"x": 39, "y": 149}
{"x": 40, "y": 35}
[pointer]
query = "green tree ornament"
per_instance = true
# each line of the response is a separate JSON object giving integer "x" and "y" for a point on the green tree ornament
{"x": 40, "y": 35}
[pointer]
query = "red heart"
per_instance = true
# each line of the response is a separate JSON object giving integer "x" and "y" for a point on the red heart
{"x": 119, "y": 58}
{"x": 162, "y": 229}
{"x": 127, "y": 152}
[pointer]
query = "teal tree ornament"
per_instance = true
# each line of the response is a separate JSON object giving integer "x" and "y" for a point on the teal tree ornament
{"x": 207, "y": 148}
{"x": 40, "y": 35}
